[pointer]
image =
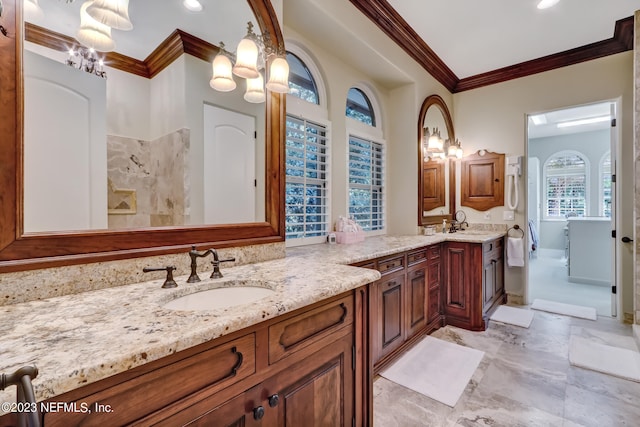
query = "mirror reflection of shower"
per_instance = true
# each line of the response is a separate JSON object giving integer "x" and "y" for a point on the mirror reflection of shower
{"x": 569, "y": 197}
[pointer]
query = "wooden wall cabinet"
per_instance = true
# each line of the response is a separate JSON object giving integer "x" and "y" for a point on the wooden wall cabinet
{"x": 482, "y": 181}
{"x": 307, "y": 367}
{"x": 474, "y": 282}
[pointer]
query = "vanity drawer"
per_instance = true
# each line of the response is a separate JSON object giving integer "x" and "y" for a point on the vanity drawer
{"x": 434, "y": 251}
{"x": 416, "y": 257}
{"x": 493, "y": 245}
{"x": 298, "y": 332}
{"x": 214, "y": 369}
{"x": 391, "y": 265}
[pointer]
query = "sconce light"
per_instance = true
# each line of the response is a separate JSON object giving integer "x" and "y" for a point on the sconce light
{"x": 92, "y": 33}
{"x": 114, "y": 13}
{"x": 433, "y": 146}
{"x": 254, "y": 52}
{"x": 454, "y": 149}
{"x": 85, "y": 59}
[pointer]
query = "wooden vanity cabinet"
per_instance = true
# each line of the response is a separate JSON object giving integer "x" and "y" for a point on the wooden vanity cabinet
{"x": 292, "y": 370}
{"x": 474, "y": 282}
{"x": 404, "y": 303}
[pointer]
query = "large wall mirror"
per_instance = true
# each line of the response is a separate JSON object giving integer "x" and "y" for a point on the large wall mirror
{"x": 436, "y": 176}
{"x": 147, "y": 160}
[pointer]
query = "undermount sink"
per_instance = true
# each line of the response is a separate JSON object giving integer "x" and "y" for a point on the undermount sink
{"x": 223, "y": 297}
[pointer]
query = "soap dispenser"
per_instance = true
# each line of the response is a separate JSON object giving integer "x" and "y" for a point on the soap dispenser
{"x": 444, "y": 226}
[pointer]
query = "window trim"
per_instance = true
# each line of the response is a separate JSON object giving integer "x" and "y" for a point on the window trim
{"x": 385, "y": 193}
{"x": 329, "y": 182}
{"x": 587, "y": 188}
{"x": 300, "y": 107}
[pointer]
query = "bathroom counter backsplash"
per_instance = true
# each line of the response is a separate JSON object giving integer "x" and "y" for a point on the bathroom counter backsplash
{"x": 33, "y": 285}
{"x": 82, "y": 338}
{"x": 380, "y": 246}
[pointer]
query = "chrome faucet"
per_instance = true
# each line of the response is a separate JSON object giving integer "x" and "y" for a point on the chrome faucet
{"x": 216, "y": 264}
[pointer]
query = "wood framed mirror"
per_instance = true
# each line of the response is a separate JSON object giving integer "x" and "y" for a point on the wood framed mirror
{"x": 436, "y": 177}
{"x": 20, "y": 250}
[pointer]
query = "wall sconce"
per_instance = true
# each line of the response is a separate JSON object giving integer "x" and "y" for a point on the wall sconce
{"x": 434, "y": 147}
{"x": 254, "y": 53}
{"x": 85, "y": 59}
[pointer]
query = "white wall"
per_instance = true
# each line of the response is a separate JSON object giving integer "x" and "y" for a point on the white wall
{"x": 494, "y": 118}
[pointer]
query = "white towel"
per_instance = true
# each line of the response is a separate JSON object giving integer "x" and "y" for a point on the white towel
{"x": 515, "y": 252}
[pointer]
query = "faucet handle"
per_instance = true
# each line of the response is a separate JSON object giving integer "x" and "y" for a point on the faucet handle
{"x": 216, "y": 267}
{"x": 168, "y": 282}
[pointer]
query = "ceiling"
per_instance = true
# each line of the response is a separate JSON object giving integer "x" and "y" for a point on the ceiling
{"x": 477, "y": 36}
{"x": 220, "y": 20}
{"x": 583, "y": 118}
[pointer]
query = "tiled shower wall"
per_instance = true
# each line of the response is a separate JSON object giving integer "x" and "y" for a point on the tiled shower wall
{"x": 156, "y": 171}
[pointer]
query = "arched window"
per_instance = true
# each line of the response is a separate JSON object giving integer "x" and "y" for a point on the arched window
{"x": 301, "y": 82}
{"x": 359, "y": 107}
{"x": 605, "y": 185}
{"x": 565, "y": 185}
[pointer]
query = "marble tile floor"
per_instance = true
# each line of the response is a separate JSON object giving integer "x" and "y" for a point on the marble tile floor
{"x": 524, "y": 379}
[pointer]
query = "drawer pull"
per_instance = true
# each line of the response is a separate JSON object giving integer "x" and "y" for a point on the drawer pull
{"x": 234, "y": 370}
{"x": 258, "y": 413}
{"x": 274, "y": 399}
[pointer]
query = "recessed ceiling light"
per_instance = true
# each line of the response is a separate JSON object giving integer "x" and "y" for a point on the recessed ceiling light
{"x": 192, "y": 5}
{"x": 545, "y": 4}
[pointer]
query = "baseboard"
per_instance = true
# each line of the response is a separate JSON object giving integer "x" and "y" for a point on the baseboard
{"x": 513, "y": 299}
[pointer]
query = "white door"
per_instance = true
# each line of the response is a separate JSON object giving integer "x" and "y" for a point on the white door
{"x": 614, "y": 269}
{"x": 229, "y": 166}
{"x": 65, "y": 148}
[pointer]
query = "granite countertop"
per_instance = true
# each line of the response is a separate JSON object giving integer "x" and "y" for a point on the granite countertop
{"x": 82, "y": 338}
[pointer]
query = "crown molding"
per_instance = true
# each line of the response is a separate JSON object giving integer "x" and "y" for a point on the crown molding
{"x": 621, "y": 41}
{"x": 177, "y": 44}
{"x": 381, "y": 13}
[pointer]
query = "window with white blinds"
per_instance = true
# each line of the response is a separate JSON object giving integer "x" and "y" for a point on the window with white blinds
{"x": 566, "y": 186}
{"x": 605, "y": 183}
{"x": 306, "y": 192}
{"x": 366, "y": 181}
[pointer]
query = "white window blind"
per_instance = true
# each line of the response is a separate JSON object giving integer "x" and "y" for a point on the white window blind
{"x": 605, "y": 180}
{"x": 566, "y": 186}
{"x": 306, "y": 210}
{"x": 366, "y": 180}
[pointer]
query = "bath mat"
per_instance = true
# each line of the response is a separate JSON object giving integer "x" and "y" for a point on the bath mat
{"x": 438, "y": 369}
{"x": 513, "y": 316}
{"x": 616, "y": 361}
{"x": 566, "y": 309}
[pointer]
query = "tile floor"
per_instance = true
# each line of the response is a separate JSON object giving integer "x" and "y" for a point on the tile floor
{"x": 524, "y": 379}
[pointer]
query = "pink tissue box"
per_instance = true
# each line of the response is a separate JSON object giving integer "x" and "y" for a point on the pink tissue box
{"x": 343, "y": 237}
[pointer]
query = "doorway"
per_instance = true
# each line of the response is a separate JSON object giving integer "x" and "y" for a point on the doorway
{"x": 571, "y": 156}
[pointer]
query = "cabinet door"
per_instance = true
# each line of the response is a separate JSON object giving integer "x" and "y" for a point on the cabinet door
{"x": 457, "y": 297}
{"x": 390, "y": 316}
{"x": 317, "y": 392}
{"x": 435, "y": 307}
{"x": 481, "y": 181}
{"x": 243, "y": 410}
{"x": 416, "y": 304}
{"x": 488, "y": 281}
{"x": 498, "y": 288}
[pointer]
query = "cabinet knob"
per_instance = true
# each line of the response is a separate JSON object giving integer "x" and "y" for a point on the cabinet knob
{"x": 258, "y": 413}
{"x": 274, "y": 400}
